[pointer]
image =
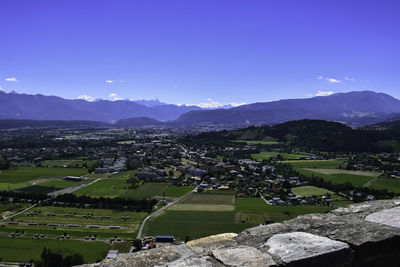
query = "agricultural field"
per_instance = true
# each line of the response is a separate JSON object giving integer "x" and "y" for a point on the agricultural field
{"x": 105, "y": 188}
{"x": 146, "y": 190}
{"x": 61, "y": 183}
{"x": 392, "y": 185}
{"x": 177, "y": 191}
{"x": 317, "y": 164}
{"x": 103, "y": 234}
{"x": 193, "y": 224}
{"x": 199, "y": 222}
{"x": 122, "y": 247}
{"x": 23, "y": 249}
{"x": 59, "y": 216}
{"x": 210, "y": 199}
{"x": 206, "y": 202}
{"x": 257, "y": 206}
{"x": 121, "y": 188}
{"x": 338, "y": 171}
{"x": 191, "y": 162}
{"x": 128, "y": 142}
{"x": 257, "y": 142}
{"x": 308, "y": 191}
{"x": 329, "y": 171}
{"x": 8, "y": 209}
{"x": 268, "y": 155}
{"x": 124, "y": 174}
{"x": 37, "y": 189}
{"x": 35, "y": 222}
{"x": 25, "y": 174}
{"x": 12, "y": 186}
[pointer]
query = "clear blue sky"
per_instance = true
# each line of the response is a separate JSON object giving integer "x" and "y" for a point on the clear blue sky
{"x": 192, "y": 50}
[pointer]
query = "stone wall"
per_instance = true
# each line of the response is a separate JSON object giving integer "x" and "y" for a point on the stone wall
{"x": 365, "y": 234}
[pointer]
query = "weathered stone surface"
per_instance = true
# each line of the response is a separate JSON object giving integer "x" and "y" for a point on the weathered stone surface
{"x": 243, "y": 256}
{"x": 308, "y": 249}
{"x": 207, "y": 244}
{"x": 389, "y": 217}
{"x": 195, "y": 261}
{"x": 368, "y": 207}
{"x": 153, "y": 257}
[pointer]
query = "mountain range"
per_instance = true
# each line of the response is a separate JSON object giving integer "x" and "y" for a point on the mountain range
{"x": 356, "y": 108}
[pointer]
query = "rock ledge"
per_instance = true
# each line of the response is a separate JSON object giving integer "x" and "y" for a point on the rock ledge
{"x": 365, "y": 234}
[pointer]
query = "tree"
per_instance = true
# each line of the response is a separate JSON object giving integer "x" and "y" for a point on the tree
{"x": 137, "y": 243}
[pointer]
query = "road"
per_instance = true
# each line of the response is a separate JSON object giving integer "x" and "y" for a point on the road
{"x": 373, "y": 179}
{"x": 69, "y": 190}
{"x": 263, "y": 198}
{"x": 139, "y": 235}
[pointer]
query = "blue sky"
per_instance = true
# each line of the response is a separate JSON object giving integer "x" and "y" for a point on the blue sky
{"x": 199, "y": 51}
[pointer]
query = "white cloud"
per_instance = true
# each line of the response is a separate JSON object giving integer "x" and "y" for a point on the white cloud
{"x": 87, "y": 98}
{"x": 332, "y": 80}
{"x": 11, "y": 79}
{"x": 320, "y": 77}
{"x": 114, "y": 97}
{"x": 109, "y": 81}
{"x": 324, "y": 93}
{"x": 215, "y": 104}
{"x": 350, "y": 79}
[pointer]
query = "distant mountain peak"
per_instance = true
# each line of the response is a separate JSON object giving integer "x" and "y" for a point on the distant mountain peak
{"x": 150, "y": 103}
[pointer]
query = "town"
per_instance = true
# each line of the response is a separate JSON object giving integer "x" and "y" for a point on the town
{"x": 120, "y": 190}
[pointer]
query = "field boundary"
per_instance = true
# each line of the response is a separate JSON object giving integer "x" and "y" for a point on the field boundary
{"x": 373, "y": 179}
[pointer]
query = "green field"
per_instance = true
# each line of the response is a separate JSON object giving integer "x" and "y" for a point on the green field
{"x": 37, "y": 189}
{"x": 124, "y": 174}
{"x": 209, "y": 199}
{"x": 12, "y": 186}
{"x": 105, "y": 188}
{"x": 177, "y": 191}
{"x": 247, "y": 212}
{"x": 268, "y": 155}
{"x": 329, "y": 171}
{"x": 317, "y": 164}
{"x": 191, "y": 162}
{"x": 355, "y": 180}
{"x": 257, "y": 142}
{"x": 276, "y": 213}
{"x": 25, "y": 174}
{"x": 75, "y": 233}
{"x": 392, "y": 185}
{"x": 146, "y": 190}
{"x": 23, "y": 249}
{"x": 135, "y": 218}
{"x": 7, "y": 209}
{"x": 308, "y": 191}
{"x": 121, "y": 188}
{"x": 122, "y": 247}
{"x": 60, "y": 183}
{"x": 194, "y": 224}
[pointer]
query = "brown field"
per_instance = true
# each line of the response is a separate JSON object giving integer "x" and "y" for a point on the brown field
{"x": 338, "y": 171}
{"x": 200, "y": 207}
